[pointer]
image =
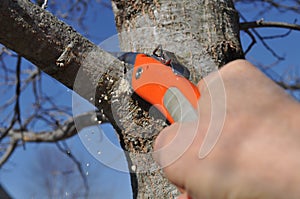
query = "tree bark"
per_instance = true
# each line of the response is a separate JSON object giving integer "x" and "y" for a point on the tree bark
{"x": 203, "y": 33}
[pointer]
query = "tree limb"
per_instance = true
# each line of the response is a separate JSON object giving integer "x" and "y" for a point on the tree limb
{"x": 53, "y": 46}
{"x": 61, "y": 52}
{"x": 64, "y": 131}
{"x": 70, "y": 128}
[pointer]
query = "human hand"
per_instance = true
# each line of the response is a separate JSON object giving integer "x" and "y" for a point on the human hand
{"x": 258, "y": 152}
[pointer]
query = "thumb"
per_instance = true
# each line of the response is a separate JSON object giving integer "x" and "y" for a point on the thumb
{"x": 165, "y": 136}
{"x": 163, "y": 140}
{"x": 170, "y": 146}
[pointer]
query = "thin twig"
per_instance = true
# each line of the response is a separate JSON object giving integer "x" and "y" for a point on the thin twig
{"x": 270, "y": 24}
{"x": 263, "y": 41}
{"x": 17, "y": 113}
{"x": 18, "y": 94}
{"x": 252, "y": 42}
{"x": 64, "y": 131}
{"x": 267, "y": 46}
{"x": 9, "y": 150}
{"x": 278, "y": 36}
{"x": 44, "y": 6}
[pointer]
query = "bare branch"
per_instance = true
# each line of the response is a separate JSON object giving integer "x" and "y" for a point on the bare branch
{"x": 252, "y": 42}
{"x": 64, "y": 131}
{"x": 278, "y": 36}
{"x": 49, "y": 37}
{"x": 38, "y": 27}
{"x": 262, "y": 40}
{"x": 17, "y": 110}
{"x": 70, "y": 128}
{"x": 9, "y": 150}
{"x": 17, "y": 113}
{"x": 44, "y": 6}
{"x": 271, "y": 24}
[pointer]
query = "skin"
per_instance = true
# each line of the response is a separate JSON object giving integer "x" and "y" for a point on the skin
{"x": 257, "y": 154}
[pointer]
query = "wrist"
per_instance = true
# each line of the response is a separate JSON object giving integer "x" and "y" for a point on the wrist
{"x": 277, "y": 151}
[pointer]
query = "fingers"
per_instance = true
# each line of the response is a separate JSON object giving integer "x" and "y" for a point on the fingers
{"x": 184, "y": 196}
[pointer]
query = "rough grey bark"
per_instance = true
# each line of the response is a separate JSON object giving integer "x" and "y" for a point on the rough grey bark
{"x": 38, "y": 36}
{"x": 191, "y": 28}
{"x": 59, "y": 50}
{"x": 203, "y": 33}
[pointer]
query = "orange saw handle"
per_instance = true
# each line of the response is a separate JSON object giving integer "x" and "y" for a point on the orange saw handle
{"x": 174, "y": 95}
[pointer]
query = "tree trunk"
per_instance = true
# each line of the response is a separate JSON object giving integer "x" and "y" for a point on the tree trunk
{"x": 203, "y": 33}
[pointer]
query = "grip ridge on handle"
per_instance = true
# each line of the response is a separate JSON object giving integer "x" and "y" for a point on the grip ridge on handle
{"x": 178, "y": 106}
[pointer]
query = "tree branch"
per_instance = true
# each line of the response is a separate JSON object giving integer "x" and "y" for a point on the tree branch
{"x": 60, "y": 51}
{"x": 9, "y": 151}
{"x": 261, "y": 39}
{"x": 64, "y": 131}
{"x": 70, "y": 128}
{"x": 36, "y": 30}
{"x": 252, "y": 42}
{"x": 263, "y": 24}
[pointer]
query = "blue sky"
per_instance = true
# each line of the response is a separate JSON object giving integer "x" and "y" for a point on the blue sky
{"x": 20, "y": 176}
